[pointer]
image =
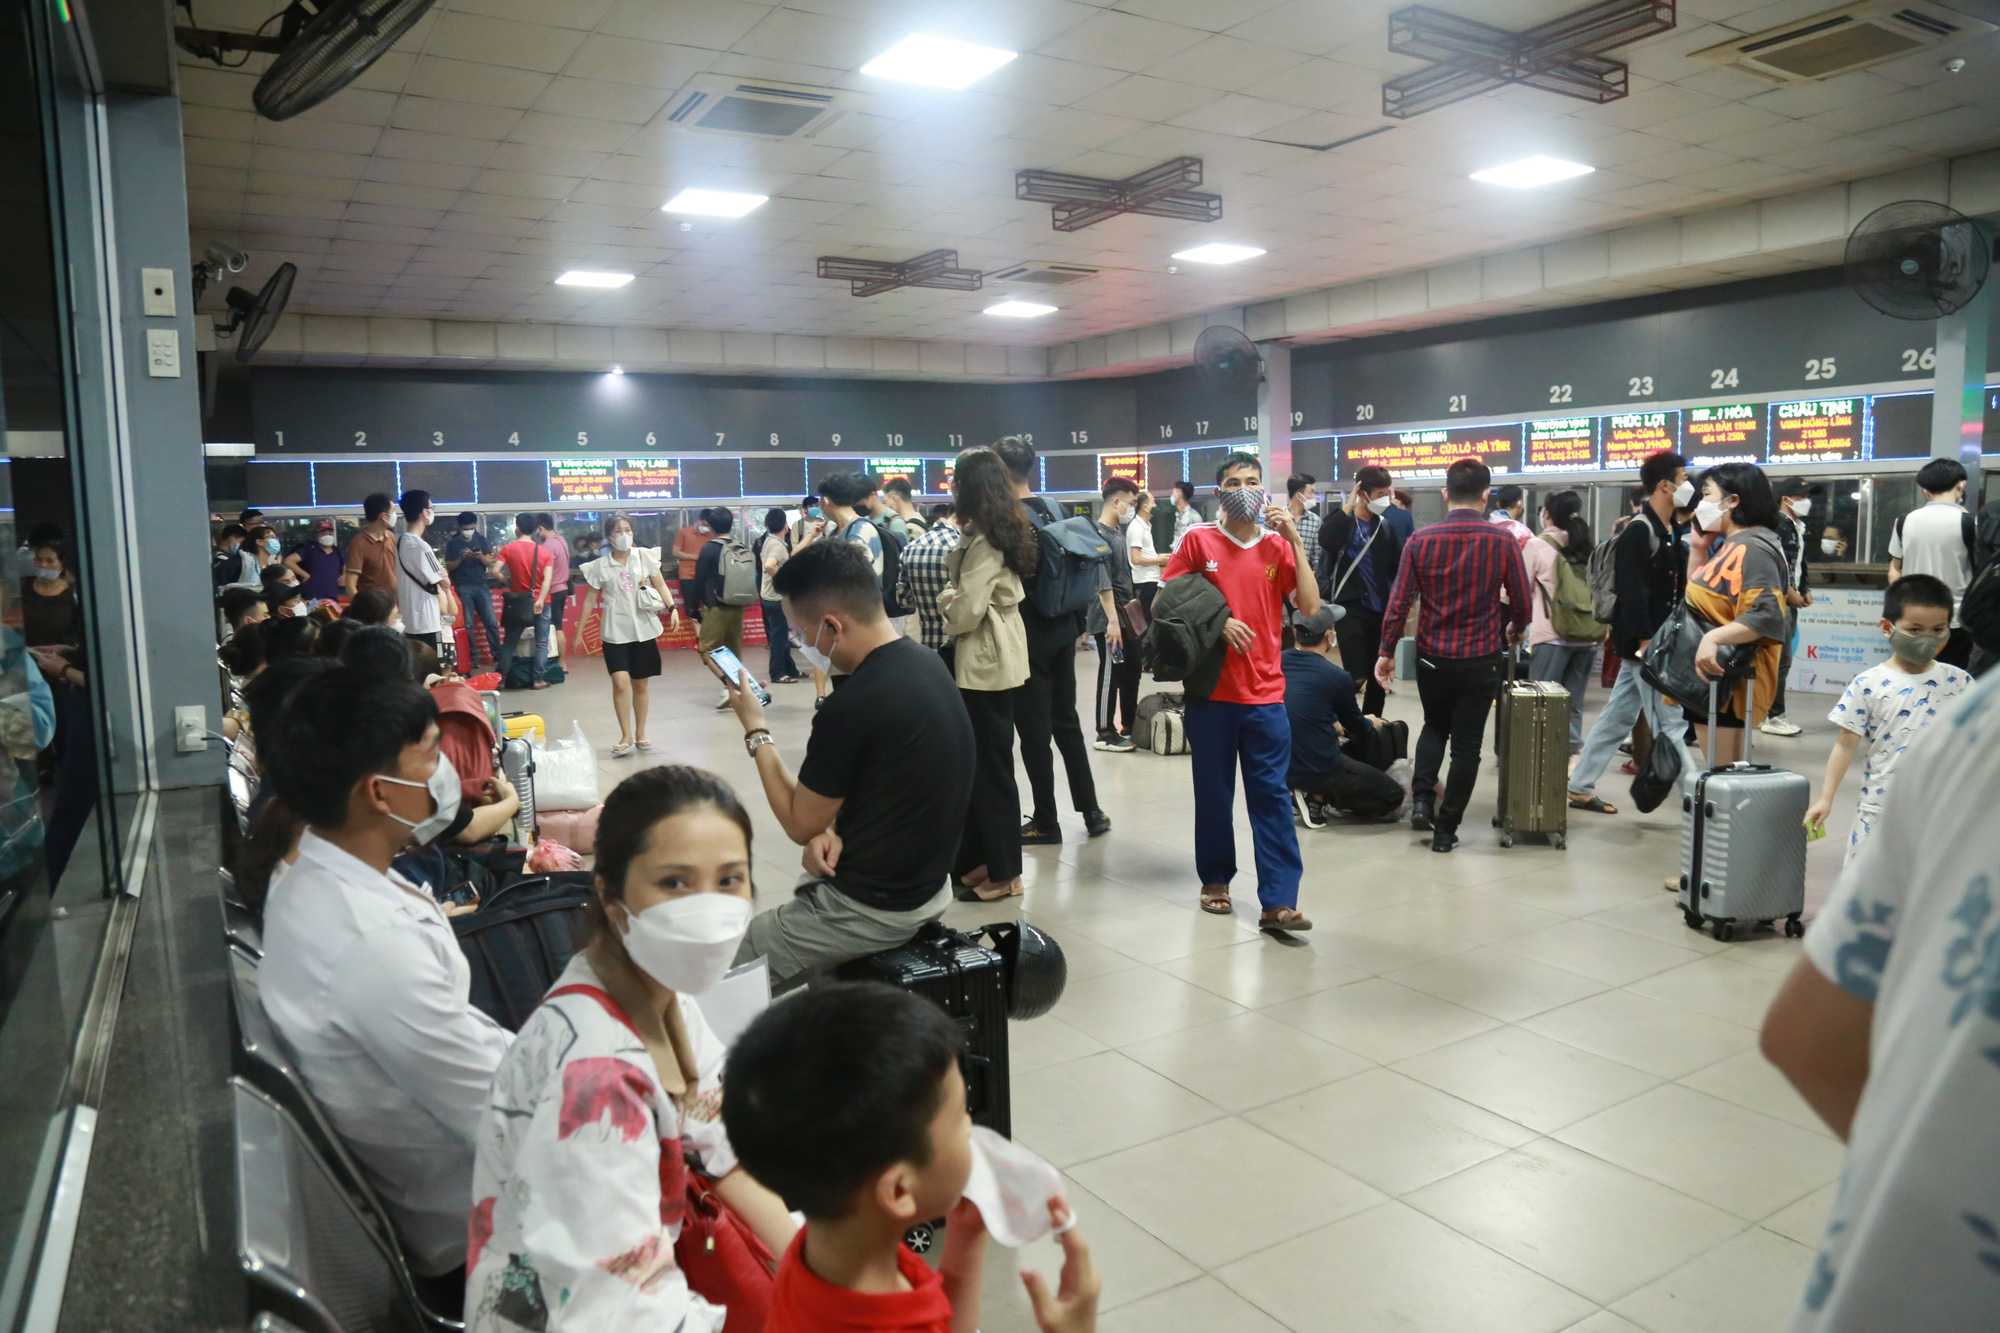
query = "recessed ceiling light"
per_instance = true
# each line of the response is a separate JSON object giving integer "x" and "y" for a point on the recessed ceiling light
{"x": 1218, "y": 252}
{"x": 937, "y": 62}
{"x": 1532, "y": 171}
{"x": 1020, "y": 309}
{"x": 715, "y": 203}
{"x": 583, "y": 277}
{"x": 618, "y": 370}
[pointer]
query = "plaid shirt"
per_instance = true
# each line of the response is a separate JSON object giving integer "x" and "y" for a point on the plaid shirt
{"x": 1308, "y": 525}
{"x": 1456, "y": 569}
{"x": 921, "y": 576}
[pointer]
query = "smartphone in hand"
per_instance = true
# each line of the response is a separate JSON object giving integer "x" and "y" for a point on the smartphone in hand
{"x": 733, "y": 672}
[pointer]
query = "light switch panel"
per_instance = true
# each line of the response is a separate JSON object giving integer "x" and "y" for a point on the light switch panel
{"x": 158, "y": 285}
{"x": 163, "y": 353}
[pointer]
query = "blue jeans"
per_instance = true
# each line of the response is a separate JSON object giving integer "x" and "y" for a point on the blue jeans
{"x": 1568, "y": 665}
{"x": 509, "y": 638}
{"x": 778, "y": 637}
{"x": 1630, "y": 695}
{"x": 1259, "y": 738}
{"x": 478, "y": 604}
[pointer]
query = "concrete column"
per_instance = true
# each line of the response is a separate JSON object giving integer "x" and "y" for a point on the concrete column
{"x": 1958, "y": 402}
{"x": 157, "y": 459}
{"x": 1274, "y": 415}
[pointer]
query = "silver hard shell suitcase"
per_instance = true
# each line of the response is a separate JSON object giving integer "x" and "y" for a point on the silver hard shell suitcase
{"x": 517, "y": 766}
{"x": 1743, "y": 841}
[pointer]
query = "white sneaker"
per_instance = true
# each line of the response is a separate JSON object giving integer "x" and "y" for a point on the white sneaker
{"x": 722, "y": 704}
{"x": 1303, "y": 807}
{"x": 1776, "y": 725}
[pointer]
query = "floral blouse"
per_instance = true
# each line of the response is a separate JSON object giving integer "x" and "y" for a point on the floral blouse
{"x": 579, "y": 1178}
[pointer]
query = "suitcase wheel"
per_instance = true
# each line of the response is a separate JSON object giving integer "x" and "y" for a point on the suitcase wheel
{"x": 1724, "y": 931}
{"x": 1559, "y": 841}
{"x": 1693, "y": 919}
{"x": 1506, "y": 840}
{"x": 921, "y": 1237}
{"x": 1794, "y": 927}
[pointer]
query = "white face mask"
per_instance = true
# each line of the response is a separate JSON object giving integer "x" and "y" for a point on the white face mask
{"x": 1683, "y": 494}
{"x": 687, "y": 943}
{"x": 1801, "y": 508}
{"x": 810, "y": 651}
{"x": 326, "y": 539}
{"x": 621, "y": 541}
{"x": 1380, "y": 504}
{"x": 1829, "y": 546}
{"x": 1011, "y": 1187}
{"x": 444, "y": 790}
{"x": 1709, "y": 514}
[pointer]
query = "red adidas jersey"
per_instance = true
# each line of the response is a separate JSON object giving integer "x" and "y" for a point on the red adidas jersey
{"x": 1255, "y": 580}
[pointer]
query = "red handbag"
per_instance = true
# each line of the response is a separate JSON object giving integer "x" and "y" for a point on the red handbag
{"x": 725, "y": 1263}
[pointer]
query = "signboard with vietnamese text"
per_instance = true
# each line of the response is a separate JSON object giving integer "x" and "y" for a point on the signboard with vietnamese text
{"x": 1427, "y": 453}
{"x": 582, "y": 479}
{"x": 1839, "y": 636}
{"x": 1819, "y": 430}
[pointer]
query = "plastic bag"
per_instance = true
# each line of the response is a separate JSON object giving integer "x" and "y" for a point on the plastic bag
{"x": 548, "y": 856}
{"x": 485, "y": 680}
{"x": 566, "y": 773}
{"x": 1404, "y": 772}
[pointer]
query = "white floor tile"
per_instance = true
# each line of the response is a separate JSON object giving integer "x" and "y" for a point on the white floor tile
{"x": 1541, "y": 1083}
{"x": 1604, "y": 953}
{"x": 1261, "y": 972}
{"x": 1085, "y": 1108}
{"x": 1659, "y": 1038}
{"x": 1805, "y": 1221}
{"x": 1201, "y": 1306}
{"x": 1246, "y": 1061}
{"x": 1040, "y": 1042}
{"x": 1747, "y": 1284}
{"x": 1380, "y": 1019}
{"x": 1132, "y": 1262}
{"x": 1717, "y": 986}
{"x": 1500, "y": 985}
{"x": 1159, "y": 931}
{"x": 1124, "y": 1007}
{"x": 1750, "y": 1080}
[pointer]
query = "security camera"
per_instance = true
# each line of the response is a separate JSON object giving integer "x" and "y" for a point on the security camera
{"x": 1954, "y": 65}
{"x": 226, "y": 257}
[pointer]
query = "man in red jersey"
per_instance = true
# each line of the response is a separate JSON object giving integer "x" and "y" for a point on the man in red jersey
{"x": 1252, "y": 554}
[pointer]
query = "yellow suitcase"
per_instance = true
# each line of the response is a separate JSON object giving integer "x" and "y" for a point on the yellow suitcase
{"x": 526, "y": 724}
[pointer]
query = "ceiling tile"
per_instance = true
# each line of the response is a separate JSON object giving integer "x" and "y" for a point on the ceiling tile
{"x": 714, "y": 24}
{"x": 625, "y": 102}
{"x": 787, "y": 34}
{"x": 447, "y": 148}
{"x": 437, "y": 175}
{"x": 1227, "y": 63}
{"x": 629, "y": 60}
{"x": 1142, "y": 98}
{"x": 431, "y": 115}
{"x": 581, "y": 14}
{"x": 1121, "y": 41}
{"x": 218, "y": 152}
{"x": 502, "y": 43}
{"x": 1238, "y": 115}
{"x": 307, "y": 162}
{"x": 533, "y": 186}
{"x": 318, "y": 135}
{"x": 601, "y": 136}
{"x": 315, "y": 187}
{"x": 487, "y": 85}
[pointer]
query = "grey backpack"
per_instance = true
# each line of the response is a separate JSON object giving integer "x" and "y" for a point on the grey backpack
{"x": 740, "y": 575}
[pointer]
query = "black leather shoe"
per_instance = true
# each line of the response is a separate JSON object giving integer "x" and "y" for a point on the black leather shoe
{"x": 1443, "y": 841}
{"x": 1096, "y": 823}
{"x": 1421, "y": 818}
{"x": 1035, "y": 835}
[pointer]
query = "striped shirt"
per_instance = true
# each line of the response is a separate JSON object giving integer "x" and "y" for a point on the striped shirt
{"x": 921, "y": 576}
{"x": 1457, "y": 567}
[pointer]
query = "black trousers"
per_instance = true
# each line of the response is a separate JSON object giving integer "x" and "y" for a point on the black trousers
{"x": 1045, "y": 712}
{"x": 1353, "y": 787}
{"x": 1457, "y": 693}
{"x": 1359, "y": 634}
{"x": 992, "y": 836}
{"x": 1117, "y": 687}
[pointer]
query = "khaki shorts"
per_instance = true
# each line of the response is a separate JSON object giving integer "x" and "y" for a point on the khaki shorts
{"x": 721, "y": 626}
{"x": 819, "y": 928}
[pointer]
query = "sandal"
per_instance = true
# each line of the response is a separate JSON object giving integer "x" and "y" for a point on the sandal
{"x": 622, "y": 750}
{"x": 1282, "y": 919}
{"x": 1593, "y": 803}
{"x": 647, "y": 746}
{"x": 1215, "y": 900}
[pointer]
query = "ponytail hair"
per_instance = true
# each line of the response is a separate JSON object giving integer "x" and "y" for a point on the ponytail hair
{"x": 1565, "y": 511}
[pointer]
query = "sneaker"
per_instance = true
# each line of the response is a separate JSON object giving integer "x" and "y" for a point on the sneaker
{"x": 1036, "y": 835}
{"x": 1421, "y": 816}
{"x": 1444, "y": 840}
{"x": 1308, "y": 810}
{"x": 1777, "y": 725}
{"x": 722, "y": 704}
{"x": 1320, "y": 809}
{"x": 1625, "y": 747}
{"x": 1117, "y": 744}
{"x": 1096, "y": 823}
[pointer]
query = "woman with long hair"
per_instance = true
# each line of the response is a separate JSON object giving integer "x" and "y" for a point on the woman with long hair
{"x": 981, "y": 605}
{"x": 580, "y": 1171}
{"x": 628, "y": 582}
{"x": 1558, "y": 561}
{"x": 1738, "y": 583}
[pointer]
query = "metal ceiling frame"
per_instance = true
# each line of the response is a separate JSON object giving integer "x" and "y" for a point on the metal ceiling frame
{"x": 1564, "y": 55}
{"x": 872, "y": 277}
{"x": 1084, "y": 201}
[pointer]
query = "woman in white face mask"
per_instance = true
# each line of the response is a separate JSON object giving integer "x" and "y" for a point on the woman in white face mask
{"x": 1740, "y": 587}
{"x": 631, "y": 597}
{"x": 582, "y": 1169}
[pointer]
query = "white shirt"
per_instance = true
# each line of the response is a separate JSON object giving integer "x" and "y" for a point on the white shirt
{"x": 1931, "y": 540}
{"x": 364, "y": 981}
{"x": 1183, "y": 520}
{"x": 416, "y": 560}
{"x": 580, "y": 1188}
{"x": 1887, "y": 708}
{"x": 619, "y": 618}
{"x": 1139, "y": 540}
{"x": 1914, "y": 928}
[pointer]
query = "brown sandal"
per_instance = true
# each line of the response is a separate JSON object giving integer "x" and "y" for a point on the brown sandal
{"x": 1283, "y": 918}
{"x": 1215, "y": 900}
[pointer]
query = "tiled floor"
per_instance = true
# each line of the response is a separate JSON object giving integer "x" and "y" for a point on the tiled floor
{"x": 1497, "y": 1090}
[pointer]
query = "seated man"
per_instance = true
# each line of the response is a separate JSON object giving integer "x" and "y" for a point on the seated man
{"x": 1318, "y": 693}
{"x": 362, "y": 976}
{"x": 880, "y": 800}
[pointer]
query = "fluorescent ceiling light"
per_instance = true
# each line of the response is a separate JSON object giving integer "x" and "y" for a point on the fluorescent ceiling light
{"x": 1532, "y": 171}
{"x": 618, "y": 370}
{"x": 1020, "y": 309}
{"x": 1219, "y": 253}
{"x": 714, "y": 203}
{"x": 583, "y": 277}
{"x": 937, "y": 62}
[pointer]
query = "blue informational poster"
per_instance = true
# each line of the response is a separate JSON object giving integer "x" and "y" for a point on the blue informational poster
{"x": 1839, "y": 636}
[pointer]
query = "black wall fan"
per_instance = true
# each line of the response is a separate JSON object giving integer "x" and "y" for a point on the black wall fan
{"x": 252, "y": 315}
{"x": 321, "y": 45}
{"x": 1227, "y": 361}
{"x": 1914, "y": 259}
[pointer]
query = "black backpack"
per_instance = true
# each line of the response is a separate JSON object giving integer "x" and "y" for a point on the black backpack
{"x": 521, "y": 939}
{"x": 892, "y": 562}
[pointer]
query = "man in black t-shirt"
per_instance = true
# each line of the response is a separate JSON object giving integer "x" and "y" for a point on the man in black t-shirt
{"x": 878, "y": 808}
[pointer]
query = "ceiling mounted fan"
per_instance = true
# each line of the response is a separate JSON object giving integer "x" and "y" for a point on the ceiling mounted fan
{"x": 321, "y": 46}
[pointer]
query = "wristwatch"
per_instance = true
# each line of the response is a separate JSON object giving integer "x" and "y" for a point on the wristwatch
{"x": 756, "y": 741}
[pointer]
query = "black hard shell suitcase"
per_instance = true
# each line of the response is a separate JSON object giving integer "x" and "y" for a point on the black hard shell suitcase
{"x": 968, "y": 982}
{"x": 521, "y": 939}
{"x": 1743, "y": 841}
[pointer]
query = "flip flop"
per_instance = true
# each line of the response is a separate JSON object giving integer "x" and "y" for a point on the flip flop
{"x": 1215, "y": 901}
{"x": 647, "y": 746}
{"x": 1596, "y": 804}
{"x": 1284, "y": 919}
{"x": 623, "y": 750}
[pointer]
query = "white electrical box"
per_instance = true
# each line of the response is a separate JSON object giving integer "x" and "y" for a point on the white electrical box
{"x": 163, "y": 353}
{"x": 158, "y": 290}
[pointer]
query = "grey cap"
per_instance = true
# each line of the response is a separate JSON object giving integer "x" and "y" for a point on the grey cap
{"x": 1320, "y": 623}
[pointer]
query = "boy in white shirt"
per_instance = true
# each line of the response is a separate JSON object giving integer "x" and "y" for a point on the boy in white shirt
{"x": 1888, "y": 705}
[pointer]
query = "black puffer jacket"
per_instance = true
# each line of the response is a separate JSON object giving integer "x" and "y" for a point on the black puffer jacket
{"x": 1185, "y": 640}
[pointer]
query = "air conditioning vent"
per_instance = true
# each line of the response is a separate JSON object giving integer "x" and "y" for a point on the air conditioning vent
{"x": 1038, "y": 274}
{"x": 1842, "y": 40}
{"x": 717, "y": 104}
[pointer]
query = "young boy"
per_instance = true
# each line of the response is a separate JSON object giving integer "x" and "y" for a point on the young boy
{"x": 848, "y": 1101}
{"x": 1888, "y": 705}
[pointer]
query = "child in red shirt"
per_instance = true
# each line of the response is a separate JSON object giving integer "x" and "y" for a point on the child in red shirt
{"x": 848, "y": 1100}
